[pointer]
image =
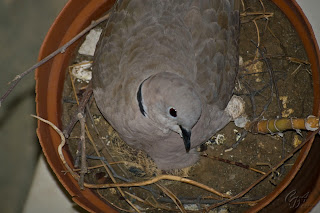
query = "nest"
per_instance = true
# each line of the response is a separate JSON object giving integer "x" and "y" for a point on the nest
{"x": 232, "y": 163}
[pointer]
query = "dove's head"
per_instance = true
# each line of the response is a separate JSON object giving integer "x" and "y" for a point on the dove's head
{"x": 171, "y": 102}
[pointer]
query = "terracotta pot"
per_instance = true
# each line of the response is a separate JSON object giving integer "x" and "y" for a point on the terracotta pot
{"x": 304, "y": 177}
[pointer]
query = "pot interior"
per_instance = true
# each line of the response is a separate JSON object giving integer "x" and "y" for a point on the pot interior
{"x": 50, "y": 86}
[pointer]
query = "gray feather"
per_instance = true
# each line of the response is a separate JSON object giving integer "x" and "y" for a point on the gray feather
{"x": 197, "y": 40}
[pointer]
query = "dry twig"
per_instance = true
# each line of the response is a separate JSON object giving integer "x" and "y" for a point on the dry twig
{"x": 75, "y": 175}
{"x": 272, "y": 126}
{"x": 233, "y": 163}
{"x": 84, "y": 168}
{"x": 62, "y": 49}
{"x": 147, "y": 182}
{"x": 308, "y": 139}
{"x": 173, "y": 197}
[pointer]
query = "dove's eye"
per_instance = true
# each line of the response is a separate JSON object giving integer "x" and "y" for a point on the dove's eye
{"x": 173, "y": 112}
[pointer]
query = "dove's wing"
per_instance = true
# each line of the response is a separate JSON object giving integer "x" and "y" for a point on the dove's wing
{"x": 214, "y": 26}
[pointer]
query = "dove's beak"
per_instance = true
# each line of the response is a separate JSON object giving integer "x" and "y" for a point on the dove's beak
{"x": 186, "y": 135}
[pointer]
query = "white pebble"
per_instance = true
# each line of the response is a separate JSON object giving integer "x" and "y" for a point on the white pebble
{"x": 89, "y": 45}
{"x": 81, "y": 71}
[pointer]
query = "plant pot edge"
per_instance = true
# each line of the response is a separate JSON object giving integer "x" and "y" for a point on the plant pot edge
{"x": 44, "y": 131}
{"x": 58, "y": 34}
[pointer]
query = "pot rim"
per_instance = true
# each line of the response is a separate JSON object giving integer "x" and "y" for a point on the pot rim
{"x": 74, "y": 17}
{"x": 302, "y": 27}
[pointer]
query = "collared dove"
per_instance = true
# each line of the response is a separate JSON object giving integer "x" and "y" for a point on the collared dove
{"x": 164, "y": 72}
